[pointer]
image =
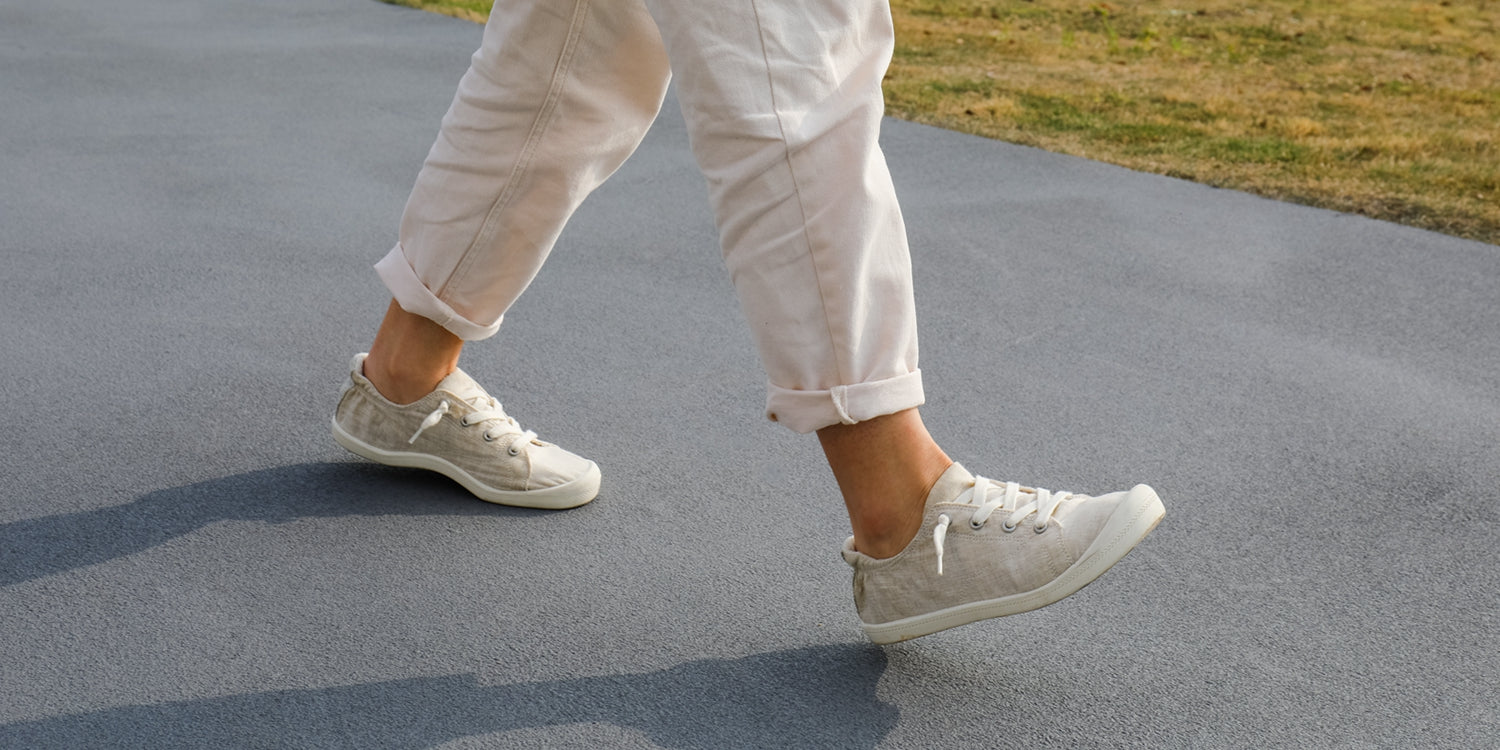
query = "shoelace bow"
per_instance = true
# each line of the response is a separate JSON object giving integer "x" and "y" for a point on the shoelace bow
{"x": 1041, "y": 502}
{"x": 486, "y": 409}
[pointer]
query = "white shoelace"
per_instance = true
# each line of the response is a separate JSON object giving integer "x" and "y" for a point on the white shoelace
{"x": 487, "y": 410}
{"x": 1041, "y": 502}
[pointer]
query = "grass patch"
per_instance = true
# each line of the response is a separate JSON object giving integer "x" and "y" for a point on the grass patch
{"x": 1387, "y": 109}
{"x": 1379, "y": 107}
{"x": 470, "y": 10}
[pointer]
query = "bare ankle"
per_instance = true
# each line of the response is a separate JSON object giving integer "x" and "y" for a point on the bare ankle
{"x": 401, "y": 385}
{"x": 885, "y": 468}
{"x": 881, "y": 540}
{"x": 410, "y": 355}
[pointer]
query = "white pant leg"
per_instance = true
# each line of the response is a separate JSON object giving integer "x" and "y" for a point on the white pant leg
{"x": 783, "y": 104}
{"x": 557, "y": 97}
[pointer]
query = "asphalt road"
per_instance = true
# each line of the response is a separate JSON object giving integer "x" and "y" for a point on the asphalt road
{"x": 192, "y": 194}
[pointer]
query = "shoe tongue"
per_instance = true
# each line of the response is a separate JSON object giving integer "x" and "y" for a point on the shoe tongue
{"x": 461, "y": 385}
{"x": 951, "y": 484}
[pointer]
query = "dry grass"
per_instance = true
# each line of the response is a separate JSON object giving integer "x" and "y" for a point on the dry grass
{"x": 477, "y": 11}
{"x": 1388, "y": 109}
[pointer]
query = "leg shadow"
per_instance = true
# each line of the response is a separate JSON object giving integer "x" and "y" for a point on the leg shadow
{"x": 39, "y": 547}
{"x": 812, "y": 697}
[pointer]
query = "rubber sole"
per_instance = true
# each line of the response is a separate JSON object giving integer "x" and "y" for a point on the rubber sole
{"x": 1137, "y": 515}
{"x": 571, "y": 495}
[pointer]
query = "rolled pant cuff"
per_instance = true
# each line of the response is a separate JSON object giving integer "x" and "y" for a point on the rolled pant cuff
{"x": 806, "y": 411}
{"x": 414, "y": 297}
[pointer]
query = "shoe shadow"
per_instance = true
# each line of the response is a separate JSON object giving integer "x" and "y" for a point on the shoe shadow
{"x": 821, "y": 696}
{"x": 39, "y": 547}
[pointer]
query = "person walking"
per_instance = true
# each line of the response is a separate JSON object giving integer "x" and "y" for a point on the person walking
{"x": 783, "y": 105}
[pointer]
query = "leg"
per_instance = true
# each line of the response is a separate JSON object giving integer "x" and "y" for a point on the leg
{"x": 556, "y": 98}
{"x": 784, "y": 109}
{"x": 783, "y": 103}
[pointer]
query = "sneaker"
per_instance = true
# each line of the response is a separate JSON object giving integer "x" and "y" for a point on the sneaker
{"x": 990, "y": 549}
{"x": 459, "y": 431}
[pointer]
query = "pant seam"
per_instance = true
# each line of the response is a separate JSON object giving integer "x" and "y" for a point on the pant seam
{"x": 488, "y": 229}
{"x": 760, "y": 30}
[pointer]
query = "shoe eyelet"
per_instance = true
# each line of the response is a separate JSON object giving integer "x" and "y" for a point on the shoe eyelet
{"x": 975, "y": 525}
{"x": 488, "y": 438}
{"x": 513, "y": 451}
{"x": 464, "y": 421}
{"x": 1039, "y": 529}
{"x": 1007, "y": 527}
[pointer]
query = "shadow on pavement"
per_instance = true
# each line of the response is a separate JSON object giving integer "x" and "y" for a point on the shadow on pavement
{"x": 821, "y": 696}
{"x": 39, "y": 547}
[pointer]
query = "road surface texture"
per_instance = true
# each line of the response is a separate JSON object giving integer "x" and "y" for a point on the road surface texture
{"x": 193, "y": 194}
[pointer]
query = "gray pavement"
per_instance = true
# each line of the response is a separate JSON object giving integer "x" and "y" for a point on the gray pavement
{"x": 192, "y": 196}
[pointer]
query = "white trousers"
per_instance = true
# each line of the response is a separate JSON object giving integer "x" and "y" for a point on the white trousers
{"x": 783, "y": 104}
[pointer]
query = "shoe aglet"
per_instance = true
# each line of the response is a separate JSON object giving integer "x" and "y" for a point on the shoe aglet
{"x": 432, "y": 419}
{"x": 938, "y": 535}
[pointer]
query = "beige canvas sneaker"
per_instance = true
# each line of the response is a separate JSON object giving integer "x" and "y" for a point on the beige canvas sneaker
{"x": 459, "y": 431}
{"x": 990, "y": 549}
